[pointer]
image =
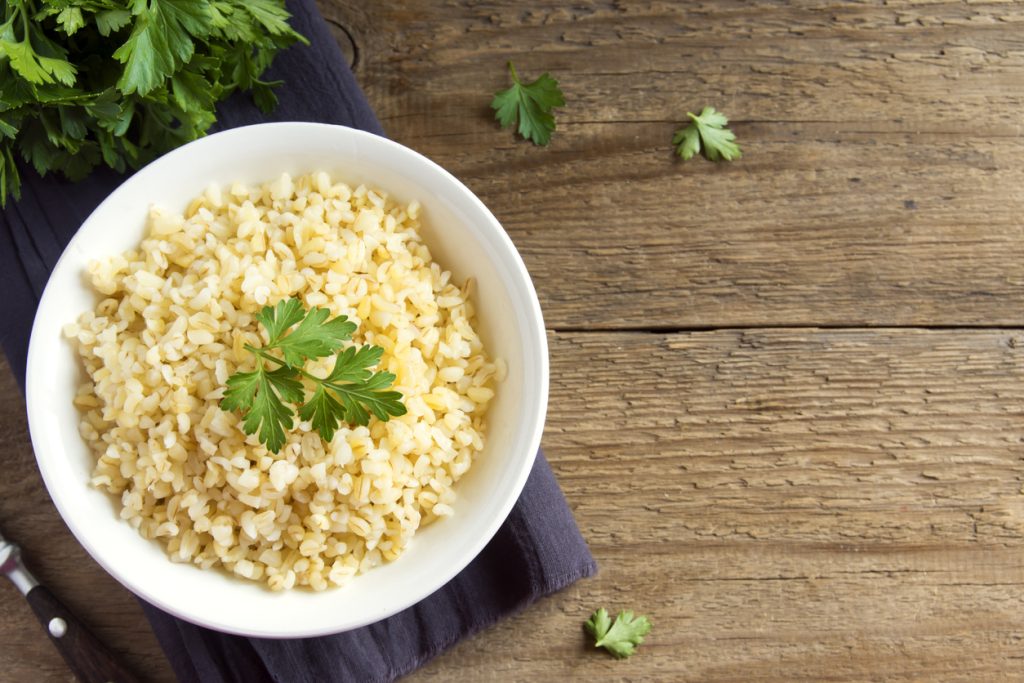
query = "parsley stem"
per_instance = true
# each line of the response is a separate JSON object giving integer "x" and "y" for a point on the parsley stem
{"x": 350, "y": 394}
{"x": 262, "y": 353}
{"x": 24, "y": 26}
{"x": 322, "y": 381}
{"x": 512, "y": 69}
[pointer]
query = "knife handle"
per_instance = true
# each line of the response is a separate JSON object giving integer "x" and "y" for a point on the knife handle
{"x": 85, "y": 655}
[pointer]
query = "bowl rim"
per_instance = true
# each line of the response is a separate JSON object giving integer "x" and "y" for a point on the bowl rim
{"x": 36, "y": 394}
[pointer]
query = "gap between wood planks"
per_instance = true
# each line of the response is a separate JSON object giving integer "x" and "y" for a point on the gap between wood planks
{"x": 682, "y": 329}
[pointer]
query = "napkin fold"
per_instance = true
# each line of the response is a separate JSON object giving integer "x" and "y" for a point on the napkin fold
{"x": 536, "y": 552}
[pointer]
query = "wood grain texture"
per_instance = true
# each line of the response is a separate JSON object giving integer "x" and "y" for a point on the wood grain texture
{"x": 787, "y": 501}
{"x": 785, "y": 505}
{"x": 882, "y": 181}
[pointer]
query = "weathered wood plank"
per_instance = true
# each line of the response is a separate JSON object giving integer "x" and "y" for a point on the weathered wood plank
{"x": 785, "y": 505}
{"x": 882, "y": 182}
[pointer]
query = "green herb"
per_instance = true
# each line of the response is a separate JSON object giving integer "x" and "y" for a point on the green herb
{"x": 119, "y": 82}
{"x": 532, "y": 104}
{"x": 620, "y": 638}
{"x": 350, "y": 393}
{"x": 707, "y": 132}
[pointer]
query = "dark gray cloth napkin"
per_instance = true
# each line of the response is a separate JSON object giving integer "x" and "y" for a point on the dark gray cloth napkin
{"x": 536, "y": 552}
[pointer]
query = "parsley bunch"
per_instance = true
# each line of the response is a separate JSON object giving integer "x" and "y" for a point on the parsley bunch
{"x": 119, "y": 82}
{"x": 350, "y": 393}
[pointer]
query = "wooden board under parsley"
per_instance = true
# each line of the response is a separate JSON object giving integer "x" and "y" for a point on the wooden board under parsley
{"x": 787, "y": 391}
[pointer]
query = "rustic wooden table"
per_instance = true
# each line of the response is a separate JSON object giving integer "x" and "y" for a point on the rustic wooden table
{"x": 787, "y": 394}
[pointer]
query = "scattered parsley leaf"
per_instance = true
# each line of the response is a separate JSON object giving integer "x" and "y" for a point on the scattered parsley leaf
{"x": 707, "y": 131}
{"x": 620, "y": 638}
{"x": 687, "y": 142}
{"x": 350, "y": 393}
{"x": 532, "y": 103}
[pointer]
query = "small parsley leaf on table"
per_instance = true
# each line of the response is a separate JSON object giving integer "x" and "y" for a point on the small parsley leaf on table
{"x": 530, "y": 103}
{"x": 621, "y": 637}
{"x": 349, "y": 394}
{"x": 707, "y": 131}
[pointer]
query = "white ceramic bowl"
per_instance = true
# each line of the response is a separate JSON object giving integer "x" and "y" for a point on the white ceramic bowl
{"x": 464, "y": 238}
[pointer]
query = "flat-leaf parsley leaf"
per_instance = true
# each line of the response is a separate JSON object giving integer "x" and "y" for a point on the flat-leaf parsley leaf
{"x": 532, "y": 103}
{"x": 708, "y": 132}
{"x": 619, "y": 638}
{"x": 350, "y": 393}
{"x": 315, "y": 337}
{"x": 260, "y": 395}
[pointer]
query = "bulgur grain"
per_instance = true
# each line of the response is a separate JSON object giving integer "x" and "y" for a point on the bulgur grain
{"x": 171, "y": 326}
